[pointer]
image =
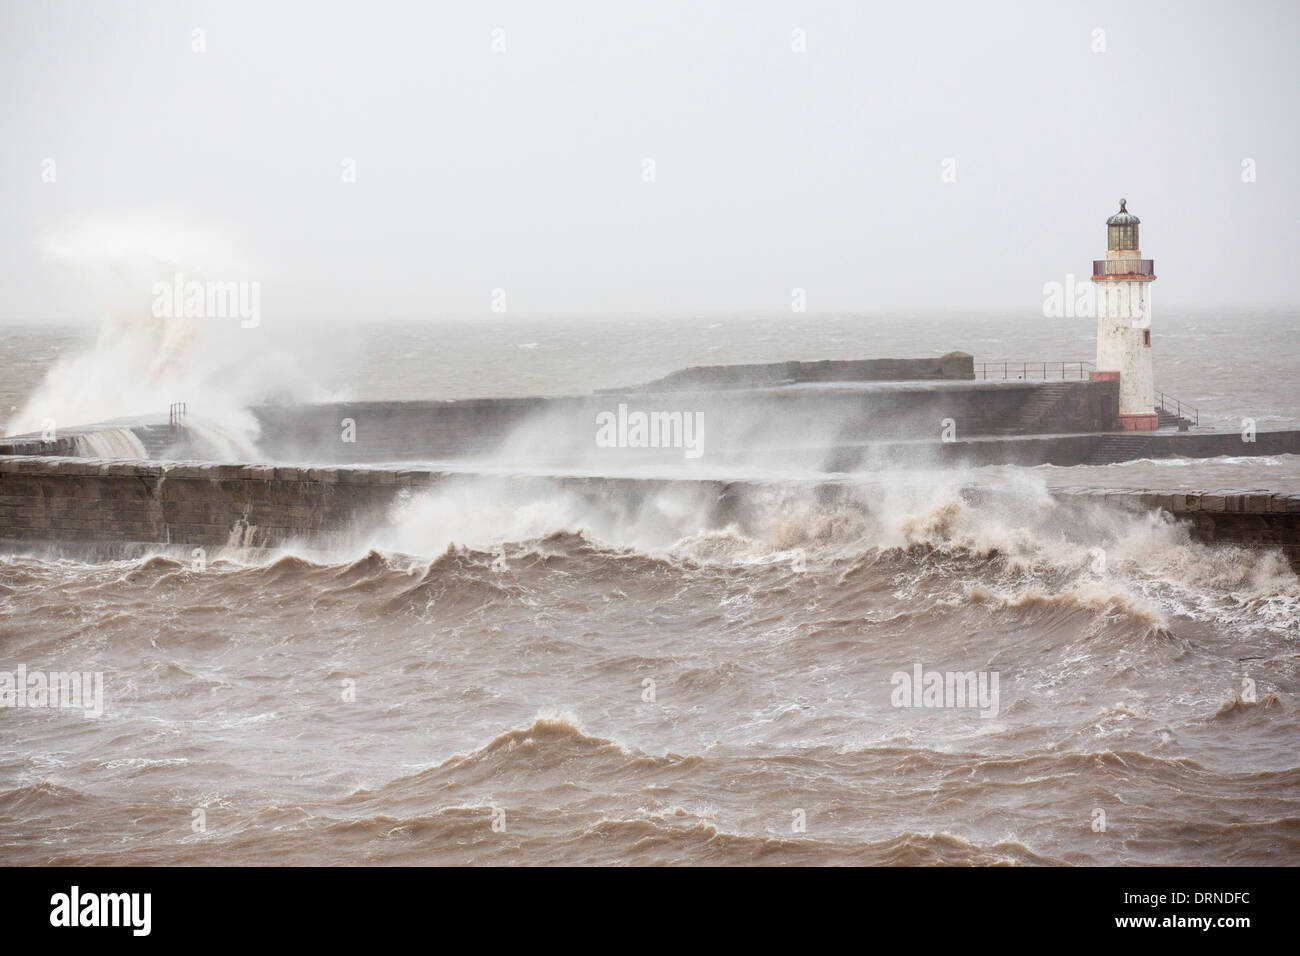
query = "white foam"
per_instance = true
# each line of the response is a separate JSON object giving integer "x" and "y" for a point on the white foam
{"x": 141, "y": 363}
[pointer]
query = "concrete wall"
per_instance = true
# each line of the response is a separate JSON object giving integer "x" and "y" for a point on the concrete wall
{"x": 103, "y": 506}
{"x": 737, "y": 422}
{"x": 397, "y": 431}
{"x": 22, "y": 445}
{"x": 1252, "y": 519}
{"x": 955, "y": 366}
{"x": 97, "y": 504}
{"x": 1062, "y": 450}
{"x": 69, "y": 500}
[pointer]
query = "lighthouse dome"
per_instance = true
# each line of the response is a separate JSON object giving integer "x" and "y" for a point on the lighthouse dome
{"x": 1122, "y": 230}
{"x": 1123, "y": 217}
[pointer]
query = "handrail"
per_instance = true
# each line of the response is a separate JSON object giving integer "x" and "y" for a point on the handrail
{"x": 1124, "y": 267}
{"x": 1163, "y": 400}
{"x": 1042, "y": 370}
{"x": 1047, "y": 370}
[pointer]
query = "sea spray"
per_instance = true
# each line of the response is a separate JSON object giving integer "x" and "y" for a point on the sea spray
{"x": 142, "y": 363}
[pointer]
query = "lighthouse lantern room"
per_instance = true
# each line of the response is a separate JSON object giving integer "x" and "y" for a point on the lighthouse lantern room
{"x": 1123, "y": 281}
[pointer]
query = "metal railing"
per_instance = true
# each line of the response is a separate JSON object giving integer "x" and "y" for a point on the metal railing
{"x": 176, "y": 416}
{"x": 1178, "y": 409}
{"x": 1047, "y": 371}
{"x": 1033, "y": 370}
{"x": 1123, "y": 267}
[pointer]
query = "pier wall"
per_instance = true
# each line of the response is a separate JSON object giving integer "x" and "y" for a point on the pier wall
{"x": 955, "y": 366}
{"x": 736, "y": 422}
{"x": 99, "y": 505}
{"x": 1061, "y": 450}
{"x": 1251, "y": 519}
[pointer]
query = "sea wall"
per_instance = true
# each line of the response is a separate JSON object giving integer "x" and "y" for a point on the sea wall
{"x": 97, "y": 505}
{"x": 1252, "y": 519}
{"x": 71, "y": 500}
{"x": 1060, "y": 450}
{"x": 739, "y": 424}
{"x": 23, "y": 445}
{"x": 102, "y": 504}
{"x": 955, "y": 366}
{"x": 736, "y": 422}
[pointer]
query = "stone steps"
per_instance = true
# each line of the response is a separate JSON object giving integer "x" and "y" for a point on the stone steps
{"x": 1116, "y": 448}
{"x": 1039, "y": 407}
{"x": 1170, "y": 420}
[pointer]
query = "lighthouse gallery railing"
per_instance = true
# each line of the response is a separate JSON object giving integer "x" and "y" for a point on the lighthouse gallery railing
{"x": 1124, "y": 267}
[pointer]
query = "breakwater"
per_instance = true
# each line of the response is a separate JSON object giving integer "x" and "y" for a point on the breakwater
{"x": 955, "y": 366}
{"x": 739, "y": 423}
{"x": 748, "y": 423}
{"x": 102, "y": 505}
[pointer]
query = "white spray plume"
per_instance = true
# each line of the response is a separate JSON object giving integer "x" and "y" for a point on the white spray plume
{"x": 141, "y": 363}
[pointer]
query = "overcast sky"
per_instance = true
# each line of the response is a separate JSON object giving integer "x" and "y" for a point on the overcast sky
{"x": 774, "y": 169}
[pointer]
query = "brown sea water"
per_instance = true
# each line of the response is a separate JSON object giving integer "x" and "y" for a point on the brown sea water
{"x": 508, "y": 675}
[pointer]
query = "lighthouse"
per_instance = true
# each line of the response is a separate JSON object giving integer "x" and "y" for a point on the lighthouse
{"x": 1123, "y": 281}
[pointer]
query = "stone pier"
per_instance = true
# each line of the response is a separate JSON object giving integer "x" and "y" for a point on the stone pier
{"x": 99, "y": 505}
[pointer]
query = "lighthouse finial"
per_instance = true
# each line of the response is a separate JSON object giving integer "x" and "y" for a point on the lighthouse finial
{"x": 1123, "y": 205}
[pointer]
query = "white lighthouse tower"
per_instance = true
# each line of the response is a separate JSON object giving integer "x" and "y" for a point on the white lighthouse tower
{"x": 1124, "y": 321}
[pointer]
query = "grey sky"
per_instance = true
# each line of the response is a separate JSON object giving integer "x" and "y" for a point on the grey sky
{"x": 523, "y": 170}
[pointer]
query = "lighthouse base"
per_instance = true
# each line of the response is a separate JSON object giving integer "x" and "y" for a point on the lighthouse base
{"x": 1143, "y": 422}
